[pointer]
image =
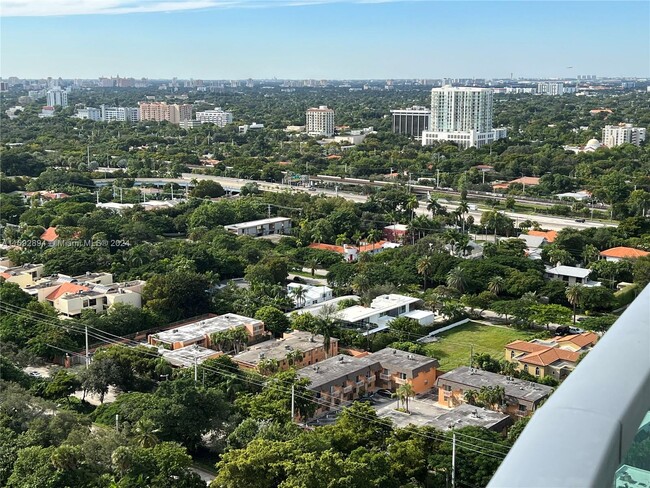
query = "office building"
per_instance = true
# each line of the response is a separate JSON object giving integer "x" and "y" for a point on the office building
{"x": 463, "y": 116}
{"x": 615, "y": 135}
{"x": 217, "y": 116}
{"x": 57, "y": 97}
{"x": 320, "y": 121}
{"x": 550, "y": 88}
{"x": 161, "y": 112}
{"x": 411, "y": 121}
{"x": 120, "y": 114}
{"x": 89, "y": 113}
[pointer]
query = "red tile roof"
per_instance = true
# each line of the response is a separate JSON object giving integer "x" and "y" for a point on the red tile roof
{"x": 525, "y": 346}
{"x": 49, "y": 235}
{"x": 624, "y": 253}
{"x": 580, "y": 340}
{"x": 65, "y": 288}
{"x": 327, "y": 247}
{"x": 549, "y": 356}
{"x": 550, "y": 235}
{"x": 372, "y": 247}
{"x": 6, "y": 276}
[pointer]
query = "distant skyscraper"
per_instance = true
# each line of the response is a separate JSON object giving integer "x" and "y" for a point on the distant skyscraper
{"x": 320, "y": 121}
{"x": 615, "y": 135}
{"x": 550, "y": 88}
{"x": 411, "y": 121}
{"x": 462, "y": 115}
{"x": 57, "y": 97}
{"x": 161, "y": 111}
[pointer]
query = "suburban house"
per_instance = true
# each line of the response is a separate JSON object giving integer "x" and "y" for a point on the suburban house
{"x": 549, "y": 235}
{"x": 70, "y": 295}
{"x": 571, "y": 275}
{"x": 400, "y": 367}
{"x": 340, "y": 379}
{"x": 396, "y": 232}
{"x": 23, "y": 276}
{"x": 555, "y": 358}
{"x": 50, "y": 235}
{"x": 199, "y": 332}
{"x": 260, "y": 228}
{"x": 521, "y": 397}
{"x": 617, "y": 254}
{"x": 310, "y": 295}
{"x": 351, "y": 253}
{"x": 534, "y": 245}
{"x": 296, "y": 349}
{"x": 381, "y": 311}
{"x": 524, "y": 180}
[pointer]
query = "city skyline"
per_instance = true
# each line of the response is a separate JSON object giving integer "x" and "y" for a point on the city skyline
{"x": 207, "y": 39}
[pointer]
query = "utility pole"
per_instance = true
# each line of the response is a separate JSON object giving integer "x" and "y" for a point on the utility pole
{"x": 86, "y": 327}
{"x": 87, "y": 154}
{"x": 453, "y": 460}
{"x": 117, "y": 422}
{"x": 268, "y": 210}
{"x": 438, "y": 178}
{"x": 293, "y": 402}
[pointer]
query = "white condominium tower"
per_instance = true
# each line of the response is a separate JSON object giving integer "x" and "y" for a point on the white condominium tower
{"x": 216, "y": 116}
{"x": 320, "y": 121}
{"x": 57, "y": 97}
{"x": 615, "y": 135}
{"x": 461, "y": 115}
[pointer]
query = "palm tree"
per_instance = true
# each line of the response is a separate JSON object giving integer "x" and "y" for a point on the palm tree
{"x": 424, "y": 267}
{"x": 496, "y": 285}
{"x": 412, "y": 204}
{"x": 470, "y": 396}
{"x": 312, "y": 264}
{"x": 268, "y": 366}
{"x": 341, "y": 239}
{"x": 574, "y": 295}
{"x": 590, "y": 254}
{"x": 295, "y": 356}
{"x": 434, "y": 207}
{"x": 463, "y": 208}
{"x": 456, "y": 279}
{"x": 299, "y": 294}
{"x": 238, "y": 338}
{"x": 325, "y": 328}
{"x": 145, "y": 433}
{"x": 404, "y": 392}
{"x": 356, "y": 237}
{"x": 373, "y": 237}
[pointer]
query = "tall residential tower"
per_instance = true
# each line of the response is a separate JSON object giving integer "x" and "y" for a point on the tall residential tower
{"x": 320, "y": 121}
{"x": 461, "y": 115}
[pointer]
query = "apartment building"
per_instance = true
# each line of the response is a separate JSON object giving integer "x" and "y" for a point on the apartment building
{"x": 521, "y": 397}
{"x": 70, "y": 295}
{"x": 161, "y": 111}
{"x": 401, "y": 367}
{"x": 555, "y": 358}
{"x": 217, "y": 116}
{"x": 306, "y": 295}
{"x": 462, "y": 115}
{"x": 296, "y": 349}
{"x": 120, "y": 114}
{"x": 263, "y": 227}
{"x": 381, "y": 310}
{"x": 89, "y": 113}
{"x": 23, "y": 276}
{"x": 615, "y": 135}
{"x": 320, "y": 121}
{"x": 57, "y": 97}
{"x": 550, "y": 88}
{"x": 411, "y": 121}
{"x": 199, "y": 332}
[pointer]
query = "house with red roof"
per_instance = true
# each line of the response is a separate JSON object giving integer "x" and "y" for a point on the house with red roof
{"x": 616, "y": 254}
{"x": 351, "y": 253}
{"x": 549, "y": 235}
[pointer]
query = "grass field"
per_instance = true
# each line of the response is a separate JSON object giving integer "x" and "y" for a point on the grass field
{"x": 453, "y": 348}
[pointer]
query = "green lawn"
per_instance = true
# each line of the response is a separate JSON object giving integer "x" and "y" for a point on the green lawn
{"x": 453, "y": 348}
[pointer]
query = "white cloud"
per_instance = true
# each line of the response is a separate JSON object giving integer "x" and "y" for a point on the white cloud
{"x": 46, "y": 8}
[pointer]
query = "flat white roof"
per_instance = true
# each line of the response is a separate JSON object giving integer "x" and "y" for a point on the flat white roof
{"x": 418, "y": 314}
{"x": 569, "y": 271}
{"x": 381, "y": 304}
{"x": 197, "y": 330}
{"x": 255, "y": 223}
{"x": 185, "y": 356}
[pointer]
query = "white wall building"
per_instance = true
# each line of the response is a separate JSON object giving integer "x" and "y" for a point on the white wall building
{"x": 89, "y": 113}
{"x": 217, "y": 116}
{"x": 615, "y": 135}
{"x": 260, "y": 228}
{"x": 120, "y": 114}
{"x": 57, "y": 97}
{"x": 411, "y": 121}
{"x": 462, "y": 115}
{"x": 310, "y": 295}
{"x": 550, "y": 88}
{"x": 320, "y": 121}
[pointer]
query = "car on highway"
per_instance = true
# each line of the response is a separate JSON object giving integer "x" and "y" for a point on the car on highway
{"x": 580, "y": 220}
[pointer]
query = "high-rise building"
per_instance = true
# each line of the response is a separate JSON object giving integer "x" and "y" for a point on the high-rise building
{"x": 462, "y": 115}
{"x": 550, "y": 88}
{"x": 216, "y": 116}
{"x": 320, "y": 121}
{"x": 57, "y": 96}
{"x": 411, "y": 121}
{"x": 120, "y": 114}
{"x": 615, "y": 135}
{"x": 161, "y": 111}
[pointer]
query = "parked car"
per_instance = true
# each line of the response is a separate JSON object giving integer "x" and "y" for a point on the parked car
{"x": 562, "y": 330}
{"x": 575, "y": 330}
{"x": 385, "y": 393}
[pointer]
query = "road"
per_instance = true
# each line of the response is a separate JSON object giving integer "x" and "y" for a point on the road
{"x": 545, "y": 221}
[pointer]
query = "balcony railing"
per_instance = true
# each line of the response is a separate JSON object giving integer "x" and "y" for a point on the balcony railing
{"x": 347, "y": 389}
{"x": 589, "y": 423}
{"x": 361, "y": 384}
{"x": 385, "y": 377}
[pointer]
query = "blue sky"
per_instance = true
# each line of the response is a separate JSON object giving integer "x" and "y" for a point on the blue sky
{"x": 323, "y": 39}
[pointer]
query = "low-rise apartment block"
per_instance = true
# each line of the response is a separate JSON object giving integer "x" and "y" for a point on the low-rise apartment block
{"x": 263, "y": 227}
{"x": 555, "y": 358}
{"x": 70, "y": 295}
{"x": 23, "y": 276}
{"x": 615, "y": 135}
{"x": 307, "y": 295}
{"x": 521, "y": 397}
{"x": 296, "y": 349}
{"x": 217, "y": 116}
{"x": 401, "y": 367}
{"x": 199, "y": 332}
{"x": 381, "y": 310}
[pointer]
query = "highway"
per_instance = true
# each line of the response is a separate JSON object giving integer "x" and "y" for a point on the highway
{"x": 545, "y": 221}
